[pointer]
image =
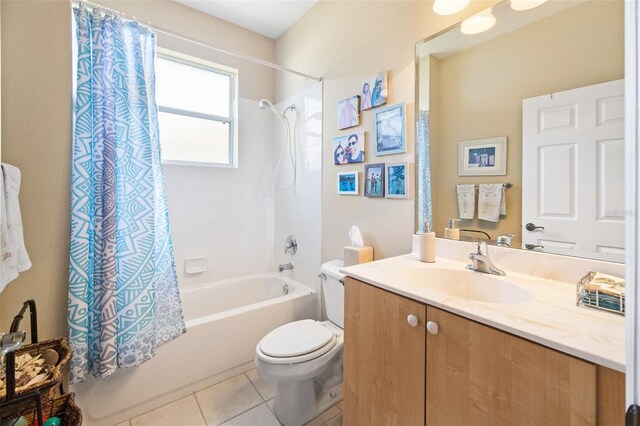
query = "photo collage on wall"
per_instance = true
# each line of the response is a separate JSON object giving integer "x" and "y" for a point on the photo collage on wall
{"x": 389, "y": 137}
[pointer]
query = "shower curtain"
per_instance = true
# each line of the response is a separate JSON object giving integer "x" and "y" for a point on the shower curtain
{"x": 425, "y": 210}
{"x": 123, "y": 292}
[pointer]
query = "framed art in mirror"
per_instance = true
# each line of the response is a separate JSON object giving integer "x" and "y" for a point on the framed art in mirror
{"x": 483, "y": 157}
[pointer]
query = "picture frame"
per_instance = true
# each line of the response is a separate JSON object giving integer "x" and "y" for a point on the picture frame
{"x": 349, "y": 149}
{"x": 374, "y": 91}
{"x": 348, "y": 183}
{"x": 483, "y": 157}
{"x": 397, "y": 178}
{"x": 374, "y": 182}
{"x": 389, "y": 130}
{"x": 349, "y": 112}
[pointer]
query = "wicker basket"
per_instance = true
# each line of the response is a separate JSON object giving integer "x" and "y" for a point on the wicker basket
{"x": 25, "y": 397}
{"x": 63, "y": 407}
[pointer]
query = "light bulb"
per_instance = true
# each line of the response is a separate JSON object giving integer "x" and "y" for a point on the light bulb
{"x": 449, "y": 7}
{"x": 479, "y": 23}
{"x": 525, "y": 4}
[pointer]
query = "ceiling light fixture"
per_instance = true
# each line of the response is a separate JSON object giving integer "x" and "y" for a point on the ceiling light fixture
{"x": 520, "y": 5}
{"x": 449, "y": 7}
{"x": 479, "y": 23}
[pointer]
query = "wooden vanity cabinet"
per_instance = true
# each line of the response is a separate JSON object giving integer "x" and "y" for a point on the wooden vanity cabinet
{"x": 611, "y": 397}
{"x": 477, "y": 375}
{"x": 384, "y": 369}
{"x": 463, "y": 373}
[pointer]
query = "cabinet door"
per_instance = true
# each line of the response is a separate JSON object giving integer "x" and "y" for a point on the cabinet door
{"x": 611, "y": 397}
{"x": 477, "y": 375}
{"x": 384, "y": 371}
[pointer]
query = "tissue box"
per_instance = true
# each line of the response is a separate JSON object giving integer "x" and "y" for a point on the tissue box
{"x": 356, "y": 255}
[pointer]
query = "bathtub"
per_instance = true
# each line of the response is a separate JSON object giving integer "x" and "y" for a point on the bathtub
{"x": 225, "y": 321}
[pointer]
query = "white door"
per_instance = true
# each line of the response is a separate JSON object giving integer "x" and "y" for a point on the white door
{"x": 573, "y": 171}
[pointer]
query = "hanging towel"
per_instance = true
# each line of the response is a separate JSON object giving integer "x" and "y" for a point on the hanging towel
{"x": 503, "y": 201}
{"x": 490, "y": 201}
{"x": 466, "y": 201}
{"x": 12, "y": 250}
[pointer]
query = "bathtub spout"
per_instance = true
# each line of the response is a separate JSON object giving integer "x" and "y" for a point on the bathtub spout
{"x": 285, "y": 267}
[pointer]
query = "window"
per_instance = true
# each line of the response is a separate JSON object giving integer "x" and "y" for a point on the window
{"x": 197, "y": 111}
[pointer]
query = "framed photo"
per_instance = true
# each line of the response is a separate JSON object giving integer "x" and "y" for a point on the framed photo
{"x": 348, "y": 183}
{"x": 374, "y": 180}
{"x": 374, "y": 91}
{"x": 389, "y": 127}
{"x": 349, "y": 112}
{"x": 397, "y": 177}
{"x": 349, "y": 148}
{"x": 483, "y": 157}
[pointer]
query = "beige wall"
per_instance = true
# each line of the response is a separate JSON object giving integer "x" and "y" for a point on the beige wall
{"x": 345, "y": 42}
{"x": 481, "y": 91}
{"x": 256, "y": 81}
{"x": 36, "y": 134}
{"x": 36, "y": 126}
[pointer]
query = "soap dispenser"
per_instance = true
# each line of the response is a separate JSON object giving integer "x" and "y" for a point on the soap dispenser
{"x": 427, "y": 244}
{"x": 451, "y": 232}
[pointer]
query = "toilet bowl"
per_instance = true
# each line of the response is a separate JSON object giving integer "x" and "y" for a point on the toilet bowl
{"x": 304, "y": 358}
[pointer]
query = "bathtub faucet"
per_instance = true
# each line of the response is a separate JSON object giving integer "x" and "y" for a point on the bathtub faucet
{"x": 285, "y": 267}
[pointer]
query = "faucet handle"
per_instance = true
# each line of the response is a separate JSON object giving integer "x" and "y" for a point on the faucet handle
{"x": 504, "y": 240}
{"x": 291, "y": 246}
{"x": 480, "y": 247}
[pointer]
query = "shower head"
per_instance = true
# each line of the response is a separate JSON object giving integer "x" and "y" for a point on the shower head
{"x": 265, "y": 104}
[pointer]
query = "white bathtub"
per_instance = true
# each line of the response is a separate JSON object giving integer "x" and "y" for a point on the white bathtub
{"x": 225, "y": 320}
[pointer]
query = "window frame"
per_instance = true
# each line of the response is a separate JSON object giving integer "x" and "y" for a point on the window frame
{"x": 231, "y": 120}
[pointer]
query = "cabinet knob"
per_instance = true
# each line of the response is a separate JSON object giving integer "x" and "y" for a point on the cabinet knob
{"x": 432, "y": 327}
{"x": 412, "y": 320}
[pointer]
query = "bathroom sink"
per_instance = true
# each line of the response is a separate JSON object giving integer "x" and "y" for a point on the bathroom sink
{"x": 471, "y": 285}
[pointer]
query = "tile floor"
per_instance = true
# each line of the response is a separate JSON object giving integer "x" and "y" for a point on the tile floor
{"x": 243, "y": 400}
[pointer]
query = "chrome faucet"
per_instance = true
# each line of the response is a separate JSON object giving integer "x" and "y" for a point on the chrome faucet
{"x": 285, "y": 267}
{"x": 504, "y": 240}
{"x": 481, "y": 262}
{"x": 291, "y": 246}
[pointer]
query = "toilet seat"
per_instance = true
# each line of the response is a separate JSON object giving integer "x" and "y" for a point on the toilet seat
{"x": 296, "y": 342}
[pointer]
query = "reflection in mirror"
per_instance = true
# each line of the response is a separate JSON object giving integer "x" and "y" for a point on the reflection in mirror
{"x": 549, "y": 80}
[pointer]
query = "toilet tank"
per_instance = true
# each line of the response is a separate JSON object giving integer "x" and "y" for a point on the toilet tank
{"x": 333, "y": 291}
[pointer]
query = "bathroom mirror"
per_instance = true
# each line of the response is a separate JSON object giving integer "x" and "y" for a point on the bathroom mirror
{"x": 470, "y": 92}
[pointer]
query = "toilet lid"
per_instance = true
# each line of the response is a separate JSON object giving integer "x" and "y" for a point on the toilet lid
{"x": 294, "y": 339}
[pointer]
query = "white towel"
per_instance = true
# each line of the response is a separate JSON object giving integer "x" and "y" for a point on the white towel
{"x": 503, "y": 202}
{"x": 13, "y": 253}
{"x": 490, "y": 202}
{"x": 466, "y": 201}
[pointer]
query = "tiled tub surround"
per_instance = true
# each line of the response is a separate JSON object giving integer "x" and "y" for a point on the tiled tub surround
{"x": 220, "y": 342}
{"x": 550, "y": 318}
{"x": 298, "y": 210}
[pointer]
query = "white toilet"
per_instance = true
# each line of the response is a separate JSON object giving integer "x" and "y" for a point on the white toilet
{"x": 304, "y": 357}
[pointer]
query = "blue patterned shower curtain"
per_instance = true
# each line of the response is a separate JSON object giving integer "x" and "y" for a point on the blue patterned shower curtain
{"x": 425, "y": 209}
{"x": 123, "y": 291}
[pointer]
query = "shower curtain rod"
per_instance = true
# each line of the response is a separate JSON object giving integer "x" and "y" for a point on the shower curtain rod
{"x": 203, "y": 44}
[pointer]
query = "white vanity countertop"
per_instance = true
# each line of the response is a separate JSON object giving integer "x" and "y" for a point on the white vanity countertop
{"x": 551, "y": 318}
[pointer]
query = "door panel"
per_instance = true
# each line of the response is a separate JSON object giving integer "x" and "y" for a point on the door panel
{"x": 572, "y": 178}
{"x": 384, "y": 369}
{"x": 477, "y": 375}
